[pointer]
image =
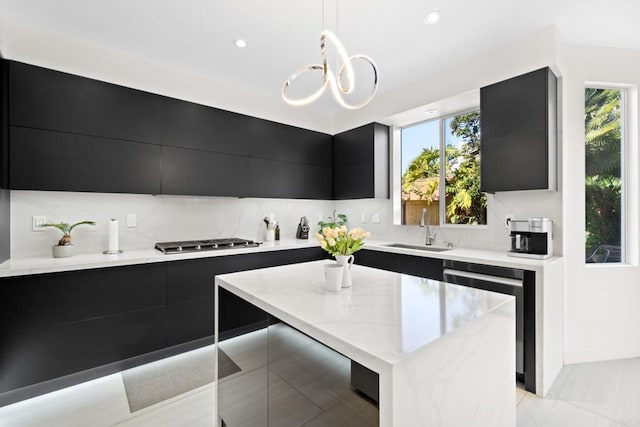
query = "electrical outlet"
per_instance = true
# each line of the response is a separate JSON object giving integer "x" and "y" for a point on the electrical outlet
{"x": 375, "y": 218}
{"x": 37, "y": 221}
{"x": 507, "y": 219}
{"x": 363, "y": 218}
{"x": 131, "y": 220}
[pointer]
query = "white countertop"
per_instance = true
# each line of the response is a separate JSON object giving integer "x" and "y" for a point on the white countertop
{"x": 385, "y": 315}
{"x": 40, "y": 265}
{"x": 483, "y": 256}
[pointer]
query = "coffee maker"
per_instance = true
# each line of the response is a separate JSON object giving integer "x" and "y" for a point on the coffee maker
{"x": 531, "y": 238}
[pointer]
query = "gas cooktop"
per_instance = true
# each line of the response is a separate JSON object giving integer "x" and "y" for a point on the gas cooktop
{"x": 205, "y": 245}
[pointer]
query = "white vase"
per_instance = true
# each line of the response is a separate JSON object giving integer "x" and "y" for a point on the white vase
{"x": 62, "y": 251}
{"x": 347, "y": 262}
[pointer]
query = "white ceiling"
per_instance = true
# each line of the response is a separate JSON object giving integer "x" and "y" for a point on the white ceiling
{"x": 283, "y": 35}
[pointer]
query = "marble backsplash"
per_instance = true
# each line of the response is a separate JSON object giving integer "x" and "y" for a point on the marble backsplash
{"x": 159, "y": 218}
{"x": 168, "y": 218}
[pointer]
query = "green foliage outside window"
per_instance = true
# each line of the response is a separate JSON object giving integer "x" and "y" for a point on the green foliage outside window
{"x": 603, "y": 161}
{"x": 465, "y": 204}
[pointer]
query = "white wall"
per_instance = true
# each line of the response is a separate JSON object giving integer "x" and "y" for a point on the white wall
{"x": 160, "y": 219}
{"x": 601, "y": 310}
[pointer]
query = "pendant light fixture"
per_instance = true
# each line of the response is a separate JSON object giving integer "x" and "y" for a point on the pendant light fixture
{"x": 340, "y": 81}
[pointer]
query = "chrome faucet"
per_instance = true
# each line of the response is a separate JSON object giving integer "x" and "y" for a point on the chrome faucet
{"x": 424, "y": 223}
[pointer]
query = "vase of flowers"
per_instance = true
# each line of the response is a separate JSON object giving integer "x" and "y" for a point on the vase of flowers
{"x": 342, "y": 243}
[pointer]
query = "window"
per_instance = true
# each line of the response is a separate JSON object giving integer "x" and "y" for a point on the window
{"x": 604, "y": 172}
{"x": 440, "y": 171}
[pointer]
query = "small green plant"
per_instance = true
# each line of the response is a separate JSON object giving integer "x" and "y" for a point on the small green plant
{"x": 66, "y": 230}
{"x": 335, "y": 221}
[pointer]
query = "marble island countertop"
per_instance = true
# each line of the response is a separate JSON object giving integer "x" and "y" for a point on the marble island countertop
{"x": 444, "y": 354}
{"x": 384, "y": 314}
{"x": 47, "y": 264}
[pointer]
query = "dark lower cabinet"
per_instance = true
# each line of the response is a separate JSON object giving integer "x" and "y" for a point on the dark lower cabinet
{"x": 58, "y": 324}
{"x": 430, "y": 268}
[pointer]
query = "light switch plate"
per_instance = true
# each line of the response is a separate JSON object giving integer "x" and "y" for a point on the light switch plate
{"x": 37, "y": 221}
{"x": 131, "y": 220}
{"x": 363, "y": 218}
{"x": 375, "y": 217}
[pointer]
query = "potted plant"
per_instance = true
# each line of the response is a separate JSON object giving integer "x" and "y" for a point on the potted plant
{"x": 64, "y": 248}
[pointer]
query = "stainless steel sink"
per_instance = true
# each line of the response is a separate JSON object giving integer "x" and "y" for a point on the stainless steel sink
{"x": 417, "y": 247}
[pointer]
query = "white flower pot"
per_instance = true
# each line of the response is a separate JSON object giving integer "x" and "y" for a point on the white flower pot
{"x": 62, "y": 251}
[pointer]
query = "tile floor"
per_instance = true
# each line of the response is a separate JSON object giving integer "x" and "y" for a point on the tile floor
{"x": 592, "y": 394}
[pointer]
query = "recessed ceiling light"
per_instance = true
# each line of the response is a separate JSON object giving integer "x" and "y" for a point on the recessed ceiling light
{"x": 433, "y": 17}
{"x": 432, "y": 111}
{"x": 241, "y": 43}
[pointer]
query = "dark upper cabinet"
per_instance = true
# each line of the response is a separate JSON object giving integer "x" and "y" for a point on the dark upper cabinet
{"x": 203, "y": 173}
{"x": 47, "y": 160}
{"x": 72, "y": 133}
{"x": 46, "y": 99}
{"x": 189, "y": 125}
{"x": 361, "y": 163}
{"x": 519, "y": 132}
{"x": 277, "y": 141}
{"x": 271, "y": 178}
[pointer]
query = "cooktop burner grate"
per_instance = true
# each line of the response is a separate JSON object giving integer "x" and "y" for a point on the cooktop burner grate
{"x": 204, "y": 245}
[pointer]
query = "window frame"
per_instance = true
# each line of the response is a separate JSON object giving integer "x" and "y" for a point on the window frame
{"x": 396, "y": 169}
{"x": 625, "y": 160}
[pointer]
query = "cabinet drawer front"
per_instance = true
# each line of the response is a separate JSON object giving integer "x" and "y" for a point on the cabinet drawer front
{"x": 190, "y": 279}
{"x": 189, "y": 320}
{"x": 47, "y": 160}
{"x": 31, "y": 357}
{"x": 42, "y": 300}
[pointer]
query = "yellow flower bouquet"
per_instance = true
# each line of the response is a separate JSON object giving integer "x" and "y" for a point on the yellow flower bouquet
{"x": 340, "y": 241}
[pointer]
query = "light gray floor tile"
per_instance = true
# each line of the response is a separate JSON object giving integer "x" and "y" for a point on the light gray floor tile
{"x": 195, "y": 409}
{"x": 549, "y": 412}
{"x": 607, "y": 388}
{"x": 249, "y": 351}
{"x": 243, "y": 400}
{"x": 338, "y": 416}
{"x": 319, "y": 373}
{"x": 520, "y": 394}
{"x": 288, "y": 407}
{"x": 363, "y": 407}
{"x": 101, "y": 402}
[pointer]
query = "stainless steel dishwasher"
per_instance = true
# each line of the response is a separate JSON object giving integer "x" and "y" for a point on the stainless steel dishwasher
{"x": 497, "y": 279}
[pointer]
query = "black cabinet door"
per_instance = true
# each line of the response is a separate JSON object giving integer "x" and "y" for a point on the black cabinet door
{"x": 32, "y": 302}
{"x": 38, "y": 355}
{"x": 431, "y": 268}
{"x": 518, "y": 130}
{"x": 277, "y": 141}
{"x": 190, "y": 299}
{"x": 311, "y": 182}
{"x": 377, "y": 259}
{"x": 272, "y": 178}
{"x": 46, "y": 160}
{"x": 293, "y": 256}
{"x": 361, "y": 163}
{"x": 202, "y": 173}
{"x": 189, "y": 125}
{"x": 57, "y": 324}
{"x": 46, "y": 99}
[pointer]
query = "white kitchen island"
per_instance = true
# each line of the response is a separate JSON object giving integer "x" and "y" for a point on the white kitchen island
{"x": 445, "y": 354}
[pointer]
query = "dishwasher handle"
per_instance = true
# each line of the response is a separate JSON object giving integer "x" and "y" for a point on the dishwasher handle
{"x": 484, "y": 277}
